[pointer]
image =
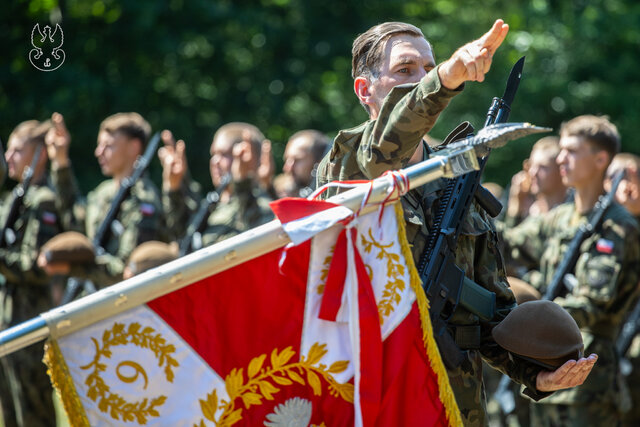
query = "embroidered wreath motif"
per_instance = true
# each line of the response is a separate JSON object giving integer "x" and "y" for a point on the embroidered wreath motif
{"x": 112, "y": 403}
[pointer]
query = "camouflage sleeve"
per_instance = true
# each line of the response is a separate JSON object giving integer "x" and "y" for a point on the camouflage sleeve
{"x": 607, "y": 277}
{"x": 489, "y": 271}
{"x": 407, "y": 114}
{"x": 179, "y": 206}
{"x": 254, "y": 205}
{"x": 69, "y": 201}
{"x": 40, "y": 223}
{"x": 523, "y": 246}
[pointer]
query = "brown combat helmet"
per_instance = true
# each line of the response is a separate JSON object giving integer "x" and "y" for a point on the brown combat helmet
{"x": 71, "y": 247}
{"x": 151, "y": 254}
{"x": 523, "y": 291}
{"x": 541, "y": 332}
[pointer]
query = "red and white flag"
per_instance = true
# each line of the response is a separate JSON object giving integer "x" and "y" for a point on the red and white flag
{"x": 331, "y": 332}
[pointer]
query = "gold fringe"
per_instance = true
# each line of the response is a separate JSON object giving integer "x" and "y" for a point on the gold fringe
{"x": 63, "y": 384}
{"x": 446, "y": 393}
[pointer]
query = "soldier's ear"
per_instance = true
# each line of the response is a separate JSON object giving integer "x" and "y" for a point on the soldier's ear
{"x": 361, "y": 87}
{"x": 603, "y": 159}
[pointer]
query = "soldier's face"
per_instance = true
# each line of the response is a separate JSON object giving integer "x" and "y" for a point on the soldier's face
{"x": 18, "y": 156}
{"x": 116, "y": 153}
{"x": 298, "y": 161}
{"x": 221, "y": 158}
{"x": 407, "y": 59}
{"x": 578, "y": 162}
{"x": 544, "y": 172}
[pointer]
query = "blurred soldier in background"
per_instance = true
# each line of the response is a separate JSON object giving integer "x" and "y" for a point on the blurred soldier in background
{"x": 25, "y": 389}
{"x": 238, "y": 155}
{"x": 606, "y": 273}
{"x": 538, "y": 188}
{"x": 302, "y": 155}
{"x": 628, "y": 195}
{"x": 122, "y": 138}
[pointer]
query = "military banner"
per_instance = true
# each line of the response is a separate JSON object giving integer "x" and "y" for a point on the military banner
{"x": 332, "y": 331}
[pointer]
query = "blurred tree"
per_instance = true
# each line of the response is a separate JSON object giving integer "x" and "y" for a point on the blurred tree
{"x": 284, "y": 65}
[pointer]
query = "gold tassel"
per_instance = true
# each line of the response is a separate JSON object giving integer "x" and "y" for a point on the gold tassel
{"x": 446, "y": 393}
{"x": 63, "y": 384}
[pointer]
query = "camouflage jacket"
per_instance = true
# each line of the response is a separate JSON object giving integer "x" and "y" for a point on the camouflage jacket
{"x": 607, "y": 274}
{"x": 409, "y": 111}
{"x": 248, "y": 207}
{"x": 140, "y": 218}
{"x": 38, "y": 222}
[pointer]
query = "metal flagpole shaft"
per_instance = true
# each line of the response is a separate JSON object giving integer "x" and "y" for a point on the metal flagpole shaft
{"x": 455, "y": 160}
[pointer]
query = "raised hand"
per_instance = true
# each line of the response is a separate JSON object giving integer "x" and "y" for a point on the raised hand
{"x": 244, "y": 163}
{"x": 267, "y": 168}
{"x": 57, "y": 141}
{"x": 174, "y": 161}
{"x": 473, "y": 60}
{"x": 571, "y": 374}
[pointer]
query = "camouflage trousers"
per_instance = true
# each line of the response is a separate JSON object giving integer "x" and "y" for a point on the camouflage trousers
{"x": 594, "y": 414}
{"x": 468, "y": 388}
{"x": 25, "y": 389}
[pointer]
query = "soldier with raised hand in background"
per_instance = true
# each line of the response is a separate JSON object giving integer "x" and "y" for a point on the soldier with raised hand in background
{"x": 398, "y": 82}
{"x": 605, "y": 275}
{"x": 122, "y": 138}
{"x": 25, "y": 389}
{"x": 237, "y": 156}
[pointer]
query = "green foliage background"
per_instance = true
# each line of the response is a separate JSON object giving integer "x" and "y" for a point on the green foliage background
{"x": 284, "y": 65}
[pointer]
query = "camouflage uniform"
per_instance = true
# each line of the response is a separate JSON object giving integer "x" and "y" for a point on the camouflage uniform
{"x": 407, "y": 114}
{"x": 632, "y": 417}
{"x": 140, "y": 218}
{"x": 25, "y": 389}
{"x": 607, "y": 274}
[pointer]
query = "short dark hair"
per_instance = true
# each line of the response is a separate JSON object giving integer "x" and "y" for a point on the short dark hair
{"x": 133, "y": 125}
{"x": 319, "y": 142}
{"x": 235, "y": 132}
{"x": 366, "y": 53}
{"x": 597, "y": 130}
{"x": 32, "y": 131}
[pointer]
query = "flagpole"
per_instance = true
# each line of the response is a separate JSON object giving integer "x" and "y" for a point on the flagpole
{"x": 455, "y": 160}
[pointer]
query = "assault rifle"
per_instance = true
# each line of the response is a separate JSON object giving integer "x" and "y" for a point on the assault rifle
{"x": 557, "y": 285}
{"x": 562, "y": 281}
{"x": 7, "y": 233}
{"x": 443, "y": 281}
{"x": 110, "y": 223}
{"x": 192, "y": 239}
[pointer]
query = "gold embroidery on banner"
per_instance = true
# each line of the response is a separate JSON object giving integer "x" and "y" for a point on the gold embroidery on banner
{"x": 324, "y": 273}
{"x": 258, "y": 385}
{"x": 112, "y": 403}
{"x": 391, "y": 295}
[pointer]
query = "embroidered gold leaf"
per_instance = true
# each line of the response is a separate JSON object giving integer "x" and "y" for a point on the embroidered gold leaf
{"x": 339, "y": 366}
{"x": 259, "y": 382}
{"x": 210, "y": 406}
{"x": 255, "y": 365}
{"x": 314, "y": 382}
{"x": 251, "y": 399}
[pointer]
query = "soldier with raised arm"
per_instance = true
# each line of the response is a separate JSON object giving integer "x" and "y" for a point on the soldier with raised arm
{"x": 397, "y": 80}
{"x": 25, "y": 389}
{"x": 122, "y": 139}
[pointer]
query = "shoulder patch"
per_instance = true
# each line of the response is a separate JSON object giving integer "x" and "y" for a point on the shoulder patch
{"x": 147, "y": 209}
{"x": 49, "y": 218}
{"x": 604, "y": 246}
